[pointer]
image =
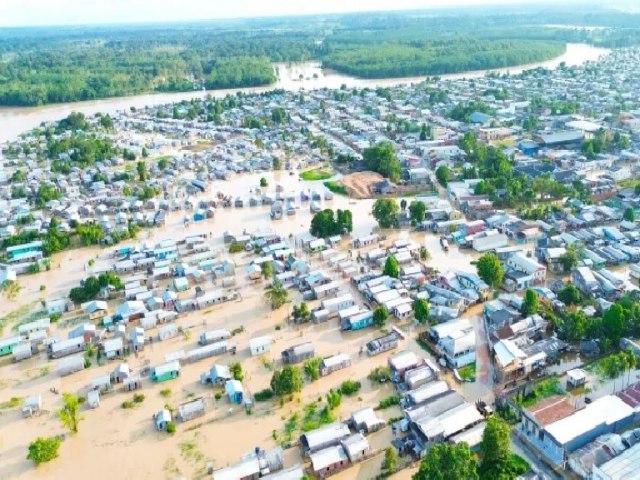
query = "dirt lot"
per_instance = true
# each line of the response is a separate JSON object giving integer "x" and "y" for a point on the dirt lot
{"x": 360, "y": 184}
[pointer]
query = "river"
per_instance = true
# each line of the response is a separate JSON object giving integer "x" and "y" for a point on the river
{"x": 292, "y": 77}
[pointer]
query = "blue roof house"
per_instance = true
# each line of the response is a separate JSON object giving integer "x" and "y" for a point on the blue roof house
{"x": 235, "y": 391}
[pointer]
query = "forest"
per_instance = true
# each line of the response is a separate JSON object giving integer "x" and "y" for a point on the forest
{"x": 54, "y": 64}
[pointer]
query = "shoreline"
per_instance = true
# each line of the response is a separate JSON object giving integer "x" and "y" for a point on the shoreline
{"x": 17, "y": 120}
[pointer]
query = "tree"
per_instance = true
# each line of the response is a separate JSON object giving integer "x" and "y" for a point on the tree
{"x": 446, "y": 461}
{"x": 286, "y": 381}
{"x": 142, "y": 171}
{"x": 613, "y": 324}
{"x": 570, "y": 295}
{"x": 385, "y": 211}
{"x": 163, "y": 163}
{"x": 569, "y": 259}
{"x": 530, "y": 303}
{"x": 403, "y": 204}
{"x": 381, "y": 158}
{"x": 69, "y": 414}
{"x": 10, "y": 289}
{"x": 391, "y": 267}
{"x": 145, "y": 153}
{"x": 106, "y": 122}
{"x": 311, "y": 368}
{"x": 490, "y": 269}
{"x": 276, "y": 294}
{"x": 267, "y": 269}
{"x": 236, "y": 370}
{"x": 421, "y": 311}
{"x": 380, "y": 315}
{"x": 324, "y": 224}
{"x": 43, "y": 449}
{"x": 423, "y": 132}
{"x": 301, "y": 313}
{"x": 334, "y": 398}
{"x": 442, "y": 175}
{"x": 390, "y": 462}
{"x": 417, "y": 211}
{"x": 263, "y": 182}
{"x": 278, "y": 115}
{"x": 496, "y": 454}
{"x": 629, "y": 215}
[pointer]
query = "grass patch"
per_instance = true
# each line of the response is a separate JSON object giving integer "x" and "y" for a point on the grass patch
{"x": 544, "y": 389}
{"x": 13, "y": 316}
{"x": 468, "y": 372}
{"x": 13, "y": 402}
{"x": 190, "y": 452}
{"x": 316, "y": 174}
{"x": 336, "y": 187}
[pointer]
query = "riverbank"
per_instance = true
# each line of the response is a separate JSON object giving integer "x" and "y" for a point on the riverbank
{"x": 290, "y": 77}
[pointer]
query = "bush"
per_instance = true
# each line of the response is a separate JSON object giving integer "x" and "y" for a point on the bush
{"x": 218, "y": 396}
{"x": 336, "y": 187}
{"x": 350, "y": 387}
{"x": 138, "y": 398}
{"x": 55, "y": 317}
{"x": 380, "y": 374}
{"x": 236, "y": 247}
{"x": 43, "y": 450}
{"x": 171, "y": 427}
{"x": 165, "y": 392}
{"x": 128, "y": 404}
{"x": 389, "y": 401}
{"x": 263, "y": 395}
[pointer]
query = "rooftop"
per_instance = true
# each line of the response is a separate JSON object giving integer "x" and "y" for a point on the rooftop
{"x": 551, "y": 410}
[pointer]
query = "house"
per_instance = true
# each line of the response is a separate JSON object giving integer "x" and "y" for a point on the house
{"x": 166, "y": 371}
{"x": 70, "y": 365}
{"x": 27, "y": 252}
{"x": 382, "y": 344}
{"x": 402, "y": 362}
{"x": 219, "y": 374}
{"x": 358, "y": 321}
{"x": 456, "y": 341}
{"x": 23, "y": 351}
{"x": 329, "y": 461}
{"x": 520, "y": 262}
{"x": 417, "y": 377}
{"x": 356, "y": 447}
{"x": 324, "y": 437}
{"x": 366, "y": 420}
{"x": 192, "y": 409}
{"x": 260, "y": 345}
{"x": 162, "y": 419}
{"x": 558, "y": 439}
{"x": 213, "y": 336}
{"x": 624, "y": 466}
{"x": 585, "y": 281}
{"x": 334, "y": 363}
{"x": 265, "y": 464}
{"x": 8, "y": 344}
{"x": 298, "y": 353}
{"x": 66, "y": 347}
{"x": 234, "y": 390}
{"x": 113, "y": 347}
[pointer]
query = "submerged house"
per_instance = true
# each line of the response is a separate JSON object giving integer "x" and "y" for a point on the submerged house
{"x": 166, "y": 371}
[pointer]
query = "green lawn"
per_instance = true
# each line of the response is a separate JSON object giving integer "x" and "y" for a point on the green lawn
{"x": 468, "y": 372}
{"x": 316, "y": 174}
{"x": 336, "y": 187}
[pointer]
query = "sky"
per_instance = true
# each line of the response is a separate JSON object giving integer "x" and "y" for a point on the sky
{"x": 16, "y": 13}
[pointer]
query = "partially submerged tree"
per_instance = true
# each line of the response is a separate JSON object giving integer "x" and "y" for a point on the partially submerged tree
{"x": 421, "y": 311}
{"x": 490, "y": 269}
{"x": 69, "y": 414}
{"x": 276, "y": 294}
{"x": 391, "y": 267}
{"x": 43, "y": 449}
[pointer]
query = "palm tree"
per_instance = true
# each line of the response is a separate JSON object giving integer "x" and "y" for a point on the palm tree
{"x": 276, "y": 294}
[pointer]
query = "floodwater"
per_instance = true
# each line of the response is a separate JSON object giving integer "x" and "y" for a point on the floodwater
{"x": 292, "y": 77}
{"x": 132, "y": 443}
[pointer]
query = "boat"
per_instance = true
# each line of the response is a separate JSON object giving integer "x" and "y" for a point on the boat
{"x": 444, "y": 243}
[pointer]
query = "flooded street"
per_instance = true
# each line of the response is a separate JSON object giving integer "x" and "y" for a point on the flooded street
{"x": 292, "y": 77}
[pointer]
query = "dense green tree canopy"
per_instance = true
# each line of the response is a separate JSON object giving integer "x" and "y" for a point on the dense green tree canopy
{"x": 490, "y": 269}
{"x": 385, "y": 211}
{"x": 382, "y": 158}
{"x": 445, "y": 461}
